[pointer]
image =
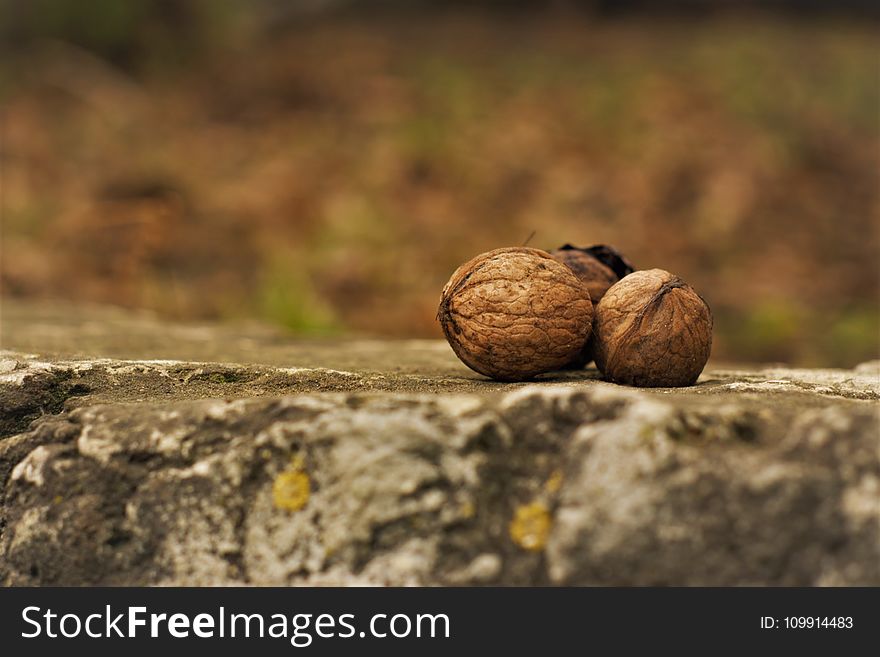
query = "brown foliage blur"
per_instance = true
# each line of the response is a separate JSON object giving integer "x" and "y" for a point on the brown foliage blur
{"x": 330, "y": 176}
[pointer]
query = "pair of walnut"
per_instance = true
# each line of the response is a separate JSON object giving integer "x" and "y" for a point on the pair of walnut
{"x": 514, "y": 313}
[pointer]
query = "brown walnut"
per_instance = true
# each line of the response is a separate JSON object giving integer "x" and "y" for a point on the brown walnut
{"x": 653, "y": 330}
{"x": 514, "y": 313}
{"x": 599, "y": 267}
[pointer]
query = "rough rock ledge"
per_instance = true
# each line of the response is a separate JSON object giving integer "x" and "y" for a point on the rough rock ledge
{"x": 390, "y": 463}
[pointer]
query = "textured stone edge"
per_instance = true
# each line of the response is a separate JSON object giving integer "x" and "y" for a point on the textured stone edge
{"x": 541, "y": 485}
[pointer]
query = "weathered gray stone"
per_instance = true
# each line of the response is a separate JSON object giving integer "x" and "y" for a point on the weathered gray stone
{"x": 659, "y": 498}
{"x": 384, "y": 463}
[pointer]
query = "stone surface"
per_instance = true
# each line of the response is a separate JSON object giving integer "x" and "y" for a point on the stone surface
{"x": 134, "y": 451}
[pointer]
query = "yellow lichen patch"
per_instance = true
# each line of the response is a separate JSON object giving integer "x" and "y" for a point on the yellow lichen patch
{"x": 554, "y": 482}
{"x": 292, "y": 487}
{"x": 467, "y": 509}
{"x": 530, "y": 526}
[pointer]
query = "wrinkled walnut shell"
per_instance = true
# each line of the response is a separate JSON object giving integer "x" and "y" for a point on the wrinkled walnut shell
{"x": 599, "y": 267}
{"x": 514, "y": 313}
{"x": 652, "y": 330}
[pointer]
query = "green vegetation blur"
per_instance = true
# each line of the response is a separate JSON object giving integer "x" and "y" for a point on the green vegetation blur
{"x": 326, "y": 165}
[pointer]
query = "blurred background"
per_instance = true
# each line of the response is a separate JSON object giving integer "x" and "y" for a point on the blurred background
{"x": 325, "y": 165}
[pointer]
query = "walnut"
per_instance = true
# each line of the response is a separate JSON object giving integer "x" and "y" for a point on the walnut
{"x": 514, "y": 313}
{"x": 599, "y": 267}
{"x": 652, "y": 330}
